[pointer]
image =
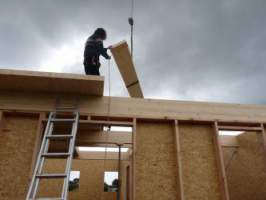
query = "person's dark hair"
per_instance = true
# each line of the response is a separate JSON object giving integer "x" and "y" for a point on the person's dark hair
{"x": 100, "y": 33}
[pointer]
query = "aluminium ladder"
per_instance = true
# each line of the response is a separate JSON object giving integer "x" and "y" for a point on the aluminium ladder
{"x": 50, "y": 135}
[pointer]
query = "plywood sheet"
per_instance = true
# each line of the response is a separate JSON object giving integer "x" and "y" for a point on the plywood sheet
{"x": 156, "y": 172}
{"x": 126, "y": 67}
{"x": 246, "y": 168}
{"x": 200, "y": 173}
{"x": 16, "y": 148}
{"x": 18, "y": 80}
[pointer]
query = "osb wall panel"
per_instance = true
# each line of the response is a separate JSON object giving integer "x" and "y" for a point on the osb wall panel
{"x": 156, "y": 172}
{"x": 246, "y": 173}
{"x": 16, "y": 147}
{"x": 91, "y": 179}
{"x": 200, "y": 172}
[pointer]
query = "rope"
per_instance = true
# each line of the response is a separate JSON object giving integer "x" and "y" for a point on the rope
{"x": 108, "y": 121}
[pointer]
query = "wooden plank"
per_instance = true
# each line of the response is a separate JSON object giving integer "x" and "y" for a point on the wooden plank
{"x": 18, "y": 80}
{"x": 180, "y": 188}
{"x": 134, "y": 151}
{"x": 101, "y": 156}
{"x": 239, "y": 128}
{"x": 141, "y": 108}
{"x": 229, "y": 141}
{"x": 127, "y": 70}
{"x": 101, "y": 122}
{"x": 220, "y": 164}
{"x": 88, "y": 137}
{"x": 38, "y": 141}
{"x": 105, "y": 122}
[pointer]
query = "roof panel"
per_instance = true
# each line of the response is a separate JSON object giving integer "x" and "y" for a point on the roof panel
{"x": 20, "y": 80}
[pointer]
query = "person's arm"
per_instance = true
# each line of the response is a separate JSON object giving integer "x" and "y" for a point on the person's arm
{"x": 103, "y": 51}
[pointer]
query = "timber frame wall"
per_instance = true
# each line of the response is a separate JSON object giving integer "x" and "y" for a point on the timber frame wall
{"x": 40, "y": 105}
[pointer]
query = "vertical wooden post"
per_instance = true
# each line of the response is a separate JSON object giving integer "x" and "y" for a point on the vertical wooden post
{"x": 134, "y": 148}
{"x": 263, "y": 136}
{"x": 180, "y": 189}
{"x": 220, "y": 164}
{"x": 1, "y": 120}
{"x": 38, "y": 142}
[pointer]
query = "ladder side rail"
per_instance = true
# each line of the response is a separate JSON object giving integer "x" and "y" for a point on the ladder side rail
{"x": 42, "y": 159}
{"x": 33, "y": 180}
{"x": 69, "y": 159}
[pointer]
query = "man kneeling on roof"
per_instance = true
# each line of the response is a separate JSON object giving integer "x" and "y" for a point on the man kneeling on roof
{"x": 93, "y": 49}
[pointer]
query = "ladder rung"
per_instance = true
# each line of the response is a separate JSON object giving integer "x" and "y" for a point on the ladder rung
{"x": 59, "y": 136}
{"x": 51, "y": 175}
{"x": 63, "y": 120}
{"x": 55, "y": 155}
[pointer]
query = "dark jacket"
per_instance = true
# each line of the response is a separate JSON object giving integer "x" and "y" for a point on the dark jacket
{"x": 93, "y": 50}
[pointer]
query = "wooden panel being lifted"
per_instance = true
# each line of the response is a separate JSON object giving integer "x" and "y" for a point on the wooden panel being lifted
{"x": 126, "y": 67}
{"x": 20, "y": 80}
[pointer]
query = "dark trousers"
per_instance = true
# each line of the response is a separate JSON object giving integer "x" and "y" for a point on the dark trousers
{"x": 91, "y": 69}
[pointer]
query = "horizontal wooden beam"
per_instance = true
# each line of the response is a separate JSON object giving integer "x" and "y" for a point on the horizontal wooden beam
{"x": 107, "y": 123}
{"x": 140, "y": 108}
{"x": 87, "y": 138}
{"x": 239, "y": 128}
{"x": 127, "y": 70}
{"x": 101, "y": 122}
{"x": 101, "y": 156}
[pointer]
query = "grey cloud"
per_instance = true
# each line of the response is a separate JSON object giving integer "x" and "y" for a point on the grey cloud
{"x": 184, "y": 49}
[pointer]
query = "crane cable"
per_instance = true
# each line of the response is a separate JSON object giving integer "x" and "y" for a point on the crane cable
{"x": 131, "y": 23}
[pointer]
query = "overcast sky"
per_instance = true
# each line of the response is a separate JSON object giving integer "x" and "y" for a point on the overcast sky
{"x": 203, "y": 50}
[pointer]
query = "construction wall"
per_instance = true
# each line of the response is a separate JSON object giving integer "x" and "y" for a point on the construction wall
{"x": 246, "y": 168}
{"x": 156, "y": 159}
{"x": 17, "y": 139}
{"x": 199, "y": 168}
